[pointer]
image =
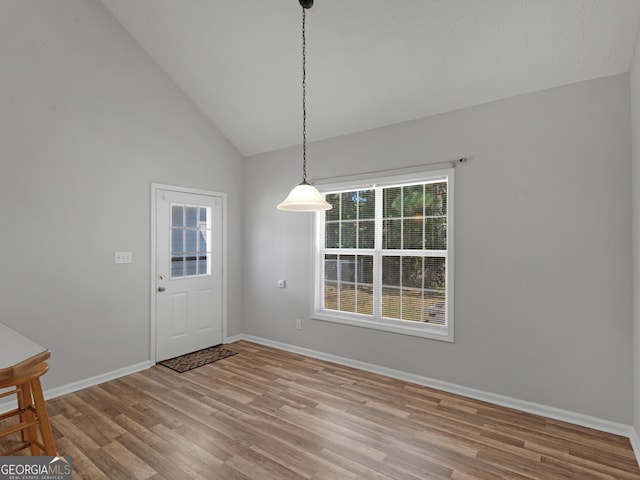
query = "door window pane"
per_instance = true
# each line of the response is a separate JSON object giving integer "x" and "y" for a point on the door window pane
{"x": 177, "y": 215}
{"x": 204, "y": 240}
{"x": 192, "y": 266}
{"x": 190, "y": 240}
{"x": 177, "y": 267}
{"x": 192, "y": 217}
{"x": 192, "y": 237}
{"x": 177, "y": 240}
{"x": 203, "y": 262}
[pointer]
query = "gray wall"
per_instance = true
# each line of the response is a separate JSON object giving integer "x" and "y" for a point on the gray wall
{"x": 543, "y": 295}
{"x": 87, "y": 122}
{"x": 543, "y": 278}
{"x": 634, "y": 79}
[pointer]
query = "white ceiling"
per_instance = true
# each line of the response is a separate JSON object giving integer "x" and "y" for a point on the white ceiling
{"x": 371, "y": 63}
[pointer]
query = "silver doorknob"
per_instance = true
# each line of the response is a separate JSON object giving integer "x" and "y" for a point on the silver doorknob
{"x": 161, "y": 289}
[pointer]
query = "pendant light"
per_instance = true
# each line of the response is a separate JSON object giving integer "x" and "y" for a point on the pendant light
{"x": 304, "y": 197}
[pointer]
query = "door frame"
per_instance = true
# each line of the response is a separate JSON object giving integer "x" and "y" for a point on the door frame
{"x": 153, "y": 252}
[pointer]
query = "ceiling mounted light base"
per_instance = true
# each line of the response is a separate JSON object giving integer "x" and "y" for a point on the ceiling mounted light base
{"x": 304, "y": 198}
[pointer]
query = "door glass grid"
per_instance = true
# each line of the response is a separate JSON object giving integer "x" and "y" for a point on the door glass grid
{"x": 190, "y": 240}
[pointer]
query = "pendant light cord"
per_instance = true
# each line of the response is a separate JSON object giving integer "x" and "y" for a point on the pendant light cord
{"x": 304, "y": 98}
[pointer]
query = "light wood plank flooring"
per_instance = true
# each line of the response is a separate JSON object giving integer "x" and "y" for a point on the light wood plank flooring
{"x": 268, "y": 414}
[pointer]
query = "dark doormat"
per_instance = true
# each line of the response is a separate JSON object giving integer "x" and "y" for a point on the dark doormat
{"x": 192, "y": 360}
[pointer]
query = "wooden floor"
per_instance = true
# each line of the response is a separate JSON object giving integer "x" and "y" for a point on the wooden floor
{"x": 268, "y": 414}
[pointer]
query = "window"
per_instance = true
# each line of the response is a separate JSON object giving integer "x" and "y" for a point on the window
{"x": 383, "y": 256}
{"x": 190, "y": 244}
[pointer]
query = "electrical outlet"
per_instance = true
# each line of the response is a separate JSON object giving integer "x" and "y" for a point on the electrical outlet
{"x": 122, "y": 257}
{"x": 298, "y": 324}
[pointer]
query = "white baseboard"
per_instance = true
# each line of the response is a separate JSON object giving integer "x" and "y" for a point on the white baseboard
{"x": 235, "y": 338}
{"x": 635, "y": 443}
{"x": 11, "y": 404}
{"x": 530, "y": 407}
{"x": 523, "y": 405}
{"x": 85, "y": 383}
{"x": 90, "y": 382}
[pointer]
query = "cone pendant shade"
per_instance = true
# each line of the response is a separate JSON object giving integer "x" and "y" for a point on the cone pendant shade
{"x": 304, "y": 198}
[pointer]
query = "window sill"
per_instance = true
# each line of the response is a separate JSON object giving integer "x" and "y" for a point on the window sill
{"x": 424, "y": 330}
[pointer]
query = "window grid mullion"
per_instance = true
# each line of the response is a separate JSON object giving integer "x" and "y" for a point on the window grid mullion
{"x": 340, "y": 221}
{"x": 377, "y": 257}
{"x": 424, "y": 213}
{"x": 357, "y": 227}
{"x": 338, "y": 257}
{"x": 422, "y": 299}
{"x": 400, "y": 292}
{"x": 357, "y": 244}
{"x": 415, "y": 253}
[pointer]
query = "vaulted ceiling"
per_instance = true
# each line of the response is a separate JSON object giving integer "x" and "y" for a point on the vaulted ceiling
{"x": 371, "y": 63}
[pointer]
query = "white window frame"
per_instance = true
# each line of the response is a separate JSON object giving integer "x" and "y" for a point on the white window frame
{"x": 385, "y": 179}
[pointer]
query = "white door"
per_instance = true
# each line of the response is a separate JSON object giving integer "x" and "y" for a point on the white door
{"x": 188, "y": 272}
